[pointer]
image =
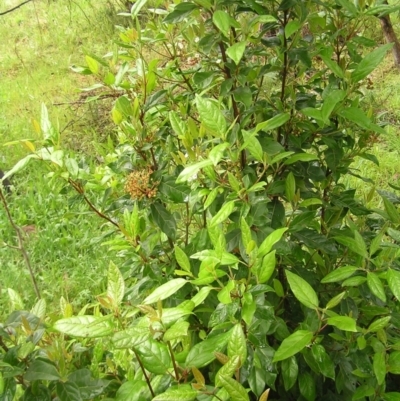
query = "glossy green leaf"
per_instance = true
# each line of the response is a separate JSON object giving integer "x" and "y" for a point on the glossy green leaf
{"x": 307, "y": 386}
{"x": 290, "y": 187}
{"x": 130, "y": 337}
{"x": 133, "y": 390}
{"x": 252, "y": 144}
{"x": 302, "y": 290}
{"x": 363, "y": 391}
{"x": 301, "y": 157}
{"x": 391, "y": 210}
{"x": 183, "y": 393}
{"x": 223, "y": 213}
{"x": 339, "y": 274}
{"x": 379, "y": 324}
{"x": 330, "y": 102}
{"x": 293, "y": 344}
{"x": 290, "y": 371}
{"x": 177, "y": 124}
{"x": 357, "y": 116}
{"x": 115, "y": 285}
{"x": 353, "y": 245}
{"x": 270, "y": 241}
{"x": 235, "y": 390}
{"x": 376, "y": 286}
{"x": 274, "y": 122}
{"x": 164, "y": 219}
{"x": 190, "y": 172}
{"x": 165, "y": 290}
{"x": 176, "y": 331}
{"x": 237, "y": 343}
{"x": 154, "y": 356}
{"x": 228, "y": 369}
{"x": 180, "y": 12}
{"x": 85, "y": 326}
{"x": 335, "y": 300}
{"x": 323, "y": 361}
{"x": 345, "y": 323}
{"x": 217, "y": 152}
{"x": 292, "y": 27}
{"x": 393, "y": 279}
{"x": 203, "y": 353}
{"x": 266, "y": 268}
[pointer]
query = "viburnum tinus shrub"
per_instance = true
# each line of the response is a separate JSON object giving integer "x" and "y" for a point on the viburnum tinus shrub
{"x": 250, "y": 271}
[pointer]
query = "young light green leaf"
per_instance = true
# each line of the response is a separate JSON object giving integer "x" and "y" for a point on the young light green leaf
{"x": 376, "y": 286}
{"x": 252, "y": 144}
{"x": 369, "y": 63}
{"x": 245, "y": 231}
{"x": 85, "y": 326}
{"x": 217, "y": 152}
{"x": 221, "y": 21}
{"x": 115, "y": 285}
{"x": 182, "y": 259}
{"x": 137, "y": 7}
{"x": 358, "y": 117}
{"x": 339, "y": 274}
{"x": 293, "y": 344}
{"x": 236, "y": 51}
{"x": 391, "y": 210}
{"x": 292, "y": 27}
{"x": 165, "y": 290}
{"x": 92, "y": 64}
{"x": 223, "y": 213}
{"x": 335, "y": 300}
{"x": 177, "y": 124}
{"x": 270, "y": 241}
{"x": 302, "y": 290}
{"x": 177, "y": 394}
{"x": 345, "y": 323}
{"x": 39, "y": 309}
{"x": 228, "y": 369}
{"x": 130, "y": 337}
{"x": 211, "y": 116}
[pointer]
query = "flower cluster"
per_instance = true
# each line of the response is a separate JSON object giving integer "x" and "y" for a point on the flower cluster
{"x": 139, "y": 185}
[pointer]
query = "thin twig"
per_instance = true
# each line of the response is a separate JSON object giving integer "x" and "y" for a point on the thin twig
{"x": 20, "y": 247}
{"x": 14, "y": 8}
{"x": 144, "y": 373}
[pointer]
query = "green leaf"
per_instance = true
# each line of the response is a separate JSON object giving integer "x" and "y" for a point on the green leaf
{"x": 363, "y": 391}
{"x": 165, "y": 290}
{"x": 252, "y": 144}
{"x": 391, "y": 210}
{"x": 292, "y": 27}
{"x": 177, "y": 124}
{"x": 237, "y": 344}
{"x": 369, "y": 63}
{"x": 41, "y": 370}
{"x": 302, "y": 290}
{"x": 223, "y": 213}
{"x": 267, "y": 268}
{"x": 270, "y": 241}
{"x": 181, "y": 11}
{"x": 339, "y": 274}
{"x": 391, "y": 396}
{"x": 394, "y": 363}
{"x": 330, "y": 102}
{"x": 39, "y": 309}
{"x": 211, "y": 116}
{"x": 222, "y": 21}
{"x": 203, "y": 353}
{"x": 68, "y": 391}
{"x": 182, "y": 259}
{"x": 228, "y": 369}
{"x": 300, "y": 157}
{"x": 92, "y": 64}
{"x": 245, "y": 231}
{"x": 293, "y": 344}
{"x": 236, "y": 51}
{"x": 154, "y": 356}
{"x": 177, "y": 193}
{"x": 379, "y": 366}
{"x": 133, "y": 390}
{"x": 354, "y": 245}
{"x": 85, "y": 326}
{"x": 184, "y": 393}
{"x": 176, "y": 331}
{"x": 345, "y": 323}
{"x": 307, "y": 386}
{"x": 115, "y": 285}
{"x": 358, "y": 117}
{"x": 217, "y": 152}
{"x": 393, "y": 278}
{"x": 130, "y": 337}
{"x": 379, "y": 324}
{"x": 137, "y": 7}
{"x": 376, "y": 286}
{"x": 164, "y": 219}
{"x": 290, "y": 187}
{"x": 335, "y": 300}
{"x": 323, "y": 361}
{"x": 235, "y": 390}
{"x": 274, "y": 122}
{"x": 290, "y": 371}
